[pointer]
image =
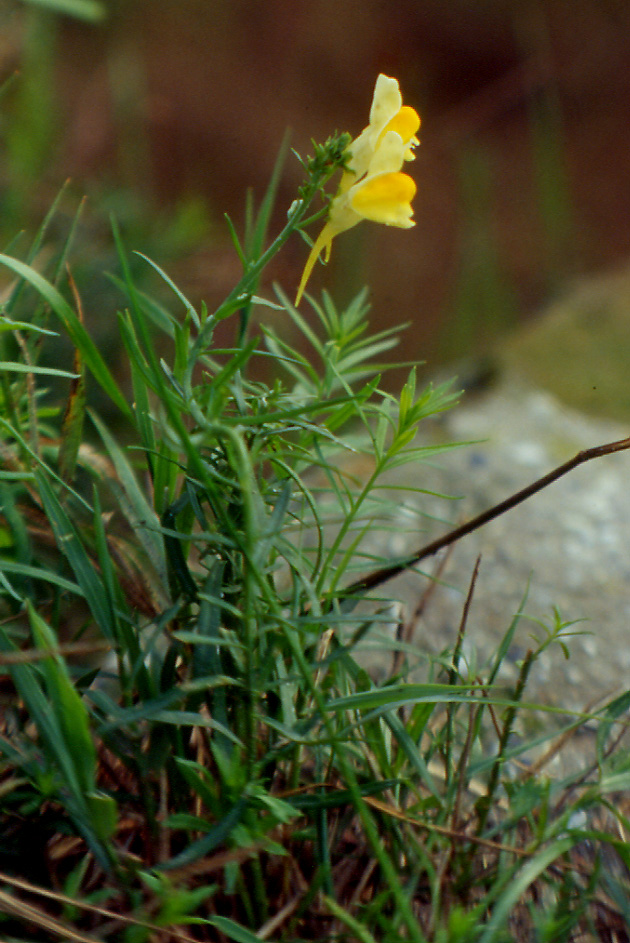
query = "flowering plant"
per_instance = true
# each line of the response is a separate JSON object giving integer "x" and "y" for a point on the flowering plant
{"x": 244, "y": 740}
{"x": 373, "y": 186}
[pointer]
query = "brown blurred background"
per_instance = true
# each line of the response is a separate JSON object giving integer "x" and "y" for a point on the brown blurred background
{"x": 166, "y": 111}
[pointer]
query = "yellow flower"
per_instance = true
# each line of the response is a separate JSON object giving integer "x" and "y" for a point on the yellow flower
{"x": 373, "y": 187}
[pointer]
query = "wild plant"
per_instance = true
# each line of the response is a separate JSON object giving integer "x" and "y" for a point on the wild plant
{"x": 191, "y": 747}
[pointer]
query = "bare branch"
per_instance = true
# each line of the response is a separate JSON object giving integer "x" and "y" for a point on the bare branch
{"x": 382, "y": 575}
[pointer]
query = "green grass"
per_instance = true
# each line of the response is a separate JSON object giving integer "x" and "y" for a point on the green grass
{"x": 190, "y": 748}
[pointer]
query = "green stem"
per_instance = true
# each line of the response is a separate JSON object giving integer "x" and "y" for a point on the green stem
{"x": 248, "y": 280}
{"x": 483, "y": 804}
{"x": 343, "y": 530}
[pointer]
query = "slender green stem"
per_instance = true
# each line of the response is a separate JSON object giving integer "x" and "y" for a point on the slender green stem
{"x": 245, "y": 899}
{"x": 249, "y": 278}
{"x": 260, "y": 890}
{"x": 349, "y": 519}
{"x": 321, "y": 823}
{"x": 483, "y": 805}
{"x": 452, "y": 675}
{"x": 354, "y": 925}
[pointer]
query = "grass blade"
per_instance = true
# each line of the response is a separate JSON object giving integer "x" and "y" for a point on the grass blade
{"x": 73, "y": 326}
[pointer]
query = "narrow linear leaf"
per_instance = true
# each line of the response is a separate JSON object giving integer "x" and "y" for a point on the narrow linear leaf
{"x": 72, "y": 425}
{"x": 65, "y": 703}
{"x": 35, "y": 247}
{"x": 38, "y": 573}
{"x": 233, "y": 931}
{"x": 7, "y": 324}
{"x": 396, "y": 694}
{"x": 10, "y": 366}
{"x": 74, "y": 414}
{"x": 215, "y": 837}
{"x": 141, "y": 516}
{"x": 91, "y": 11}
{"x": 73, "y": 326}
{"x": 71, "y": 546}
{"x": 46, "y": 722}
{"x": 519, "y": 884}
{"x": 171, "y": 284}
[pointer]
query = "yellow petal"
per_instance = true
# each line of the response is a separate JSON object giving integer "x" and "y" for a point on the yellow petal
{"x": 388, "y": 157}
{"x": 385, "y": 199}
{"x": 360, "y": 151}
{"x": 386, "y": 101}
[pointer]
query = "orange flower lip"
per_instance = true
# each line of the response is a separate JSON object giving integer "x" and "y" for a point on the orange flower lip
{"x": 406, "y": 123}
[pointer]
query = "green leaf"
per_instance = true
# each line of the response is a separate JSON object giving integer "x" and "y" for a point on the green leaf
{"x": 13, "y": 367}
{"x": 91, "y": 11}
{"x": 65, "y": 703}
{"x": 60, "y": 743}
{"x": 409, "y": 749}
{"x": 113, "y": 591}
{"x": 7, "y": 324}
{"x": 35, "y": 248}
{"x": 73, "y": 326}
{"x": 233, "y": 930}
{"x": 162, "y": 318}
{"x": 26, "y": 681}
{"x": 396, "y": 695}
{"x": 258, "y": 233}
{"x": 140, "y": 330}
{"x": 206, "y": 659}
{"x": 171, "y": 284}
{"x": 38, "y": 573}
{"x": 311, "y": 802}
{"x": 133, "y": 502}
{"x": 193, "y": 773}
{"x": 356, "y": 927}
{"x": 103, "y": 814}
{"x": 72, "y": 424}
{"x": 70, "y": 544}
{"x": 519, "y": 884}
{"x": 217, "y": 835}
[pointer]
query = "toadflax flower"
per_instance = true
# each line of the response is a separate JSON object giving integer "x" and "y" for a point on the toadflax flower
{"x": 372, "y": 185}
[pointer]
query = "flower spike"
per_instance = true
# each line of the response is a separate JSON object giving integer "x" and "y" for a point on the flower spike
{"x": 372, "y": 185}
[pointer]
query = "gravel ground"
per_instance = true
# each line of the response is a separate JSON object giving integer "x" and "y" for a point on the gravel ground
{"x": 566, "y": 547}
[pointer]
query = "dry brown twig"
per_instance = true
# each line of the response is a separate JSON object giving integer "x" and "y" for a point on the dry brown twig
{"x": 386, "y": 573}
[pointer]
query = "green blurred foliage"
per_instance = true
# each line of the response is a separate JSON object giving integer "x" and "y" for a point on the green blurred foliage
{"x": 182, "y": 108}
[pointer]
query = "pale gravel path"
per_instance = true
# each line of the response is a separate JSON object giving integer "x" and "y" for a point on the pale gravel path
{"x": 570, "y": 543}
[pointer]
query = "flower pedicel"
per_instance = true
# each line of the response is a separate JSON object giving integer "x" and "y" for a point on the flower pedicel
{"x": 373, "y": 186}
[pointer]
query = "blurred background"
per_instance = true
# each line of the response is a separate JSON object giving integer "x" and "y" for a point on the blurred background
{"x": 165, "y": 112}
